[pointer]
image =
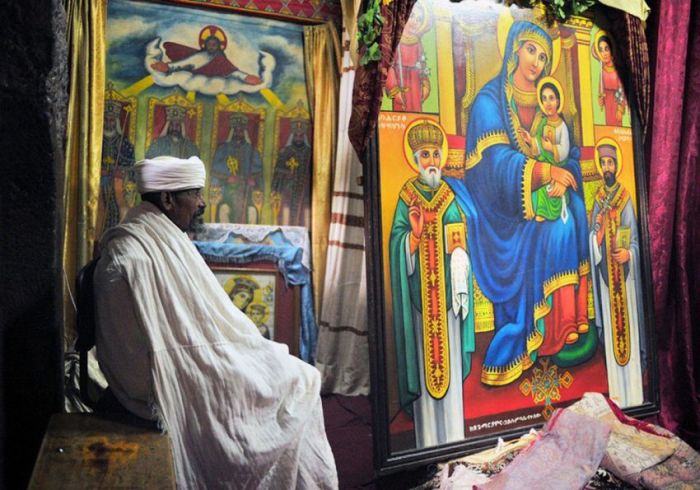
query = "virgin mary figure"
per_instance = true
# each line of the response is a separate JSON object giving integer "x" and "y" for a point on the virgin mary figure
{"x": 534, "y": 272}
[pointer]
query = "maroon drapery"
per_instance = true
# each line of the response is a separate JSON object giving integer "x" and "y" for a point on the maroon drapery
{"x": 674, "y": 207}
{"x": 370, "y": 79}
{"x": 629, "y": 33}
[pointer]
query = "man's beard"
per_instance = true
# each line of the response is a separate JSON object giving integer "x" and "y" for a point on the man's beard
{"x": 609, "y": 178}
{"x": 431, "y": 176}
{"x": 197, "y": 225}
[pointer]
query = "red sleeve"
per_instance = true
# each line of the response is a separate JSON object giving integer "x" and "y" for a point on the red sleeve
{"x": 220, "y": 66}
{"x": 176, "y": 52}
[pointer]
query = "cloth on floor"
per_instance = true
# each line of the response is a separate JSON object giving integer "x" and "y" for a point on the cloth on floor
{"x": 679, "y": 472}
{"x": 563, "y": 457}
{"x": 642, "y": 454}
{"x": 462, "y": 478}
{"x": 479, "y": 467}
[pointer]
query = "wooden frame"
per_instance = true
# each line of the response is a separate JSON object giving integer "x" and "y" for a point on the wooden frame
{"x": 273, "y": 306}
{"x": 504, "y": 391}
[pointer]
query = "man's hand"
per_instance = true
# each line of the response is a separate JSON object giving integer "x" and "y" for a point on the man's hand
{"x": 160, "y": 66}
{"x": 416, "y": 219}
{"x": 600, "y": 221}
{"x": 621, "y": 255}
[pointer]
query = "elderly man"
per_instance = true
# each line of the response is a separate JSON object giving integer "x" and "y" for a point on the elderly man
{"x": 240, "y": 411}
{"x": 431, "y": 290}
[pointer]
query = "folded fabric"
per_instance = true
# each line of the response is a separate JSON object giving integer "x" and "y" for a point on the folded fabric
{"x": 679, "y": 472}
{"x": 566, "y": 455}
{"x": 633, "y": 446}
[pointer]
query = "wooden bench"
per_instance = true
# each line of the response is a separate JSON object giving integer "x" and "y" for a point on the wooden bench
{"x": 102, "y": 451}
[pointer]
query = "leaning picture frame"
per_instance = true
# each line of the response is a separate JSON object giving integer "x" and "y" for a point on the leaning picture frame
{"x": 258, "y": 289}
{"x": 507, "y": 213}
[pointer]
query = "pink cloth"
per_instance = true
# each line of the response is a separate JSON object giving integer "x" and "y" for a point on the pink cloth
{"x": 565, "y": 456}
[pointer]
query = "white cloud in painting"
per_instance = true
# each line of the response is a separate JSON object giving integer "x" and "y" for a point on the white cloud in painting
{"x": 120, "y": 29}
{"x": 210, "y": 85}
{"x": 280, "y": 43}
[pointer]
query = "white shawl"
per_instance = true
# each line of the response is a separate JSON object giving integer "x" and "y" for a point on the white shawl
{"x": 240, "y": 411}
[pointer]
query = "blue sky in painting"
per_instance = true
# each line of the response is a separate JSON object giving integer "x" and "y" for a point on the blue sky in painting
{"x": 131, "y": 25}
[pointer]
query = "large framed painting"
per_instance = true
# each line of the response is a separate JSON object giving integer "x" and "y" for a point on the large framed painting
{"x": 508, "y": 216}
{"x": 197, "y": 78}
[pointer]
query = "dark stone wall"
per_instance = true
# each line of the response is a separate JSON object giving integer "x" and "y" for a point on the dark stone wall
{"x": 32, "y": 119}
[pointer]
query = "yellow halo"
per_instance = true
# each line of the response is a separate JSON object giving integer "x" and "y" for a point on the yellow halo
{"x": 594, "y": 49}
{"x": 420, "y": 9}
{"x": 266, "y": 309}
{"x": 505, "y": 22}
{"x": 408, "y": 153}
{"x": 618, "y": 153}
{"x": 556, "y": 83}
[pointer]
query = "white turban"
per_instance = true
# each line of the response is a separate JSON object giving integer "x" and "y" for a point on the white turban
{"x": 169, "y": 174}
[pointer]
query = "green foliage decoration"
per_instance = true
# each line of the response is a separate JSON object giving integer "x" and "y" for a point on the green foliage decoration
{"x": 369, "y": 30}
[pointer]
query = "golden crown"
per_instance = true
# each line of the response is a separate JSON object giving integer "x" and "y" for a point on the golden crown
{"x": 175, "y": 112}
{"x": 424, "y": 134}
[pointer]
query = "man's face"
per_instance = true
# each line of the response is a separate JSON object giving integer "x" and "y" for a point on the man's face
{"x": 175, "y": 128}
{"x": 430, "y": 165}
{"x": 110, "y": 123}
{"x": 609, "y": 166}
{"x": 299, "y": 137}
{"x": 241, "y": 298}
{"x": 238, "y": 130}
{"x": 550, "y": 101}
{"x": 212, "y": 45}
{"x": 187, "y": 208}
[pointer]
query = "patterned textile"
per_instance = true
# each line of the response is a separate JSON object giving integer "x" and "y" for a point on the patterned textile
{"x": 343, "y": 352}
{"x": 370, "y": 78}
{"x": 563, "y": 457}
{"x": 680, "y": 471}
{"x": 606, "y": 480}
{"x": 318, "y": 9}
{"x": 630, "y": 450}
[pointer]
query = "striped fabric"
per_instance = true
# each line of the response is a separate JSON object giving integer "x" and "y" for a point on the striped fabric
{"x": 342, "y": 355}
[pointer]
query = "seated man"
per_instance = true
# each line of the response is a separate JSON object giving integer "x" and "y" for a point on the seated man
{"x": 240, "y": 411}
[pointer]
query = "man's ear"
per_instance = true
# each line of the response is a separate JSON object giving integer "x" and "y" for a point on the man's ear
{"x": 167, "y": 200}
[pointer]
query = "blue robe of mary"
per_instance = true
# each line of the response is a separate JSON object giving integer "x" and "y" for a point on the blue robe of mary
{"x": 518, "y": 262}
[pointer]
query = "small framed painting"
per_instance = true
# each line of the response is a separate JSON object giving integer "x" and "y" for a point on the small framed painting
{"x": 259, "y": 291}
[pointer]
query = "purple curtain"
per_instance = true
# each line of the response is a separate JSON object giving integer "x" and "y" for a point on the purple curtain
{"x": 674, "y": 207}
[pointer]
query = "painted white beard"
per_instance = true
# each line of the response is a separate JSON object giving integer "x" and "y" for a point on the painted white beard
{"x": 431, "y": 176}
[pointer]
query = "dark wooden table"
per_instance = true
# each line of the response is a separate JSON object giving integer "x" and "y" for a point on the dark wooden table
{"x": 102, "y": 451}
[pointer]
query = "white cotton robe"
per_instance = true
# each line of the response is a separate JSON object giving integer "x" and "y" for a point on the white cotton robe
{"x": 240, "y": 411}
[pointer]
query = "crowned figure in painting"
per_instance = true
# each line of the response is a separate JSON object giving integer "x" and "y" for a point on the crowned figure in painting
{"x": 431, "y": 287}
